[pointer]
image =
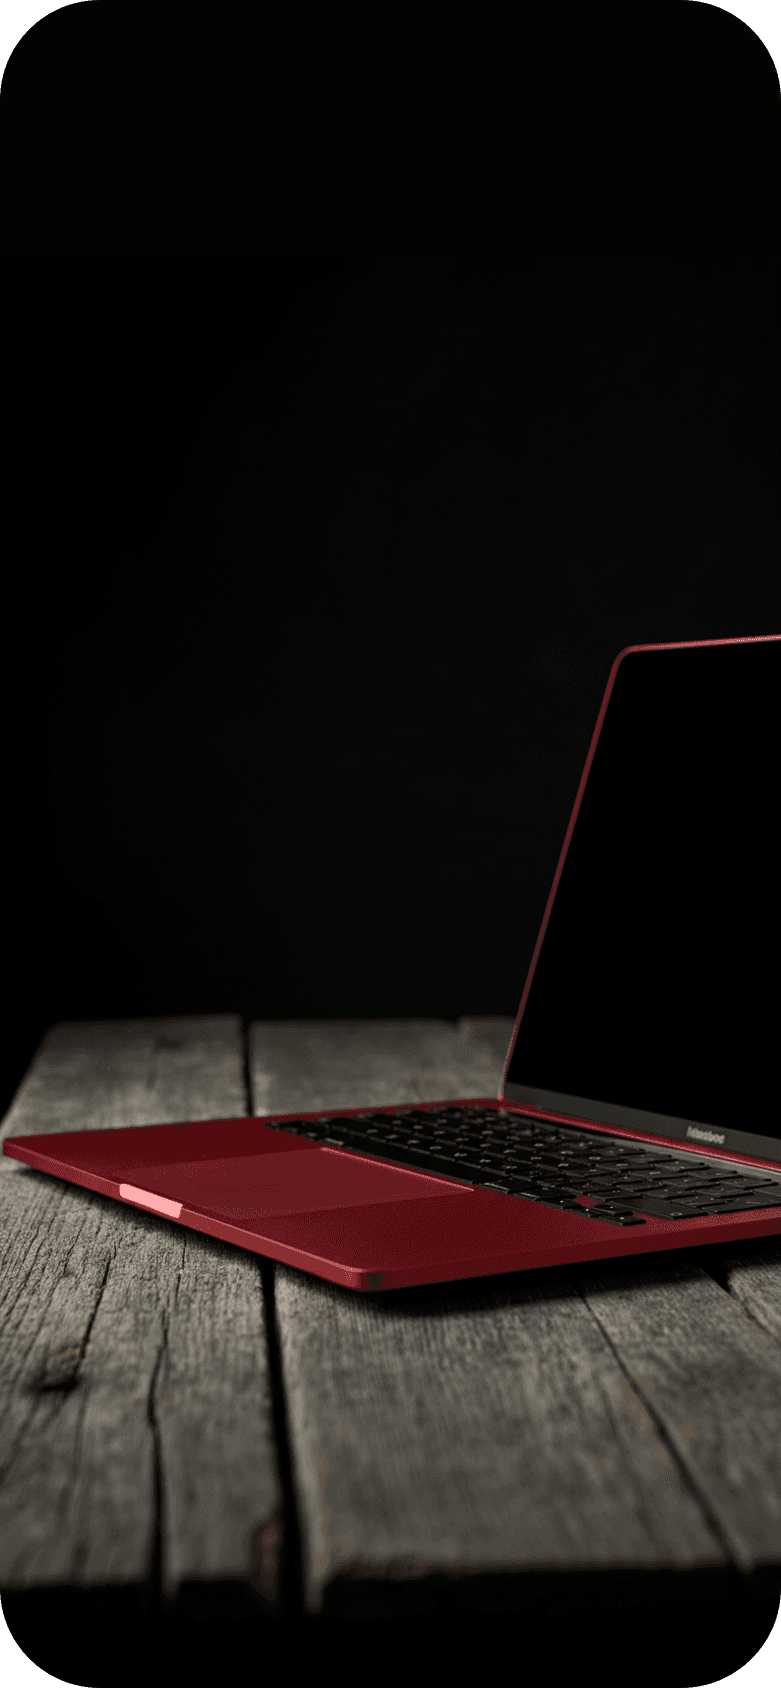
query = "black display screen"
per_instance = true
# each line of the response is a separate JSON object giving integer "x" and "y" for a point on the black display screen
{"x": 656, "y": 985}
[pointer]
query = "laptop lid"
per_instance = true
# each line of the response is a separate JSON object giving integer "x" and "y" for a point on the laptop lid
{"x": 651, "y": 1002}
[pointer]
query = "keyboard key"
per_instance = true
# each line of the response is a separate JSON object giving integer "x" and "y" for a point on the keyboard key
{"x": 743, "y": 1204}
{"x": 612, "y": 1218}
{"x": 658, "y": 1209}
{"x": 748, "y": 1185}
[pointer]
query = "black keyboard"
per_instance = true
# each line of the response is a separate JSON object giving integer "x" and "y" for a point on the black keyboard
{"x": 558, "y": 1165}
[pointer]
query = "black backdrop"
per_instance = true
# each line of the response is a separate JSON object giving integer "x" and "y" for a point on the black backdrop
{"x": 314, "y": 567}
{"x": 320, "y": 567}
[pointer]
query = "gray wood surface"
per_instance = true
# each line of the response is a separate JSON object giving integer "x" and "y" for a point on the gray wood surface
{"x": 311, "y": 1064}
{"x": 505, "y": 1433}
{"x": 133, "y": 1354}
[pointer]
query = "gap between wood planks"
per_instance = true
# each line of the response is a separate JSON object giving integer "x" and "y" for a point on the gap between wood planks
{"x": 290, "y": 1593}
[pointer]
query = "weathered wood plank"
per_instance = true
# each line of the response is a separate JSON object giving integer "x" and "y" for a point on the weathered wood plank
{"x": 577, "y": 1449}
{"x": 753, "y": 1275}
{"x": 133, "y": 1353}
{"x": 92, "y": 1076}
{"x": 709, "y": 1378}
{"x": 460, "y": 1430}
{"x": 454, "y": 1433}
{"x": 311, "y": 1064}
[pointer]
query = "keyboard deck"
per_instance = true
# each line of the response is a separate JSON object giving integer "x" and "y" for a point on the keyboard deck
{"x": 599, "y": 1176}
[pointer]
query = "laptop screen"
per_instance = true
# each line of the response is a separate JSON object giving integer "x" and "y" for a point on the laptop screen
{"x": 654, "y": 1000}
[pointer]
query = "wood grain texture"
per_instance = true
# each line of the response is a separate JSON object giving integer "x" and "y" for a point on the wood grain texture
{"x": 91, "y": 1076}
{"x": 708, "y": 1377}
{"x": 503, "y": 1434}
{"x": 463, "y": 1434}
{"x": 134, "y": 1385}
{"x": 367, "y": 1063}
{"x": 487, "y": 1429}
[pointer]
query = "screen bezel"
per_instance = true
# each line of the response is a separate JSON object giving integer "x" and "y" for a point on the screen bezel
{"x": 695, "y": 1133}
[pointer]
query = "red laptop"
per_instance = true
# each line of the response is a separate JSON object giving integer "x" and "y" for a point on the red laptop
{"x": 639, "y": 1105}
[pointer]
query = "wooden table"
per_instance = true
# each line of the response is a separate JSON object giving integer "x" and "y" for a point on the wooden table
{"x": 197, "y": 1442}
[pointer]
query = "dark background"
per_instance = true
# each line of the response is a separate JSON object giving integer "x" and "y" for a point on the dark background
{"x": 323, "y": 567}
{"x": 317, "y": 569}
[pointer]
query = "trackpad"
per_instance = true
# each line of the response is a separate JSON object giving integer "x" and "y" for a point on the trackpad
{"x": 246, "y": 1186}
